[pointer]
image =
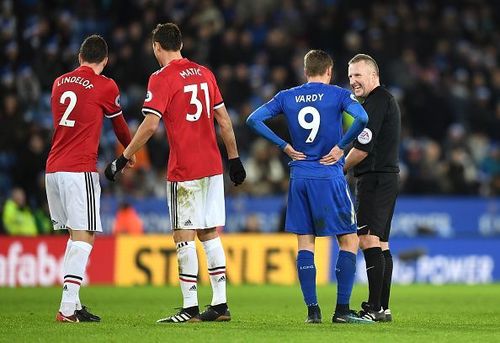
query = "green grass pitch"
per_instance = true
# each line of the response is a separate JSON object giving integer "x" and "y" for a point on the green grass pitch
{"x": 422, "y": 313}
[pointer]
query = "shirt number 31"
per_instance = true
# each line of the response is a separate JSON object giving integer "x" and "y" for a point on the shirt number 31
{"x": 193, "y": 89}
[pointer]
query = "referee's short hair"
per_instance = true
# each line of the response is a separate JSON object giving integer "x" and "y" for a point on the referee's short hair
{"x": 316, "y": 62}
{"x": 368, "y": 59}
{"x": 94, "y": 49}
{"x": 169, "y": 36}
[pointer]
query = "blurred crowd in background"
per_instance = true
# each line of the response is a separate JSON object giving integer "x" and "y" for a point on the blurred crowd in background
{"x": 439, "y": 59}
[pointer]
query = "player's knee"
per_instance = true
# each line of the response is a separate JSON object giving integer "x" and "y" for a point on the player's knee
{"x": 83, "y": 235}
{"x": 207, "y": 234}
{"x": 368, "y": 241}
{"x": 305, "y": 242}
{"x": 349, "y": 242}
{"x": 184, "y": 235}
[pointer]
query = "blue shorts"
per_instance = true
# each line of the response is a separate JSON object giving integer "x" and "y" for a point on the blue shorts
{"x": 320, "y": 207}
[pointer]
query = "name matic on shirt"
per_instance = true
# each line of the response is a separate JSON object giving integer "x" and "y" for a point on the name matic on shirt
{"x": 190, "y": 72}
{"x": 309, "y": 97}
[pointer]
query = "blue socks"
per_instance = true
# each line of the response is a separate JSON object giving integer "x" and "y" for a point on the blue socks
{"x": 307, "y": 276}
{"x": 345, "y": 272}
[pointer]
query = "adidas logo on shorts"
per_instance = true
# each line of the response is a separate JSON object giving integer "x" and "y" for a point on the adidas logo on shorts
{"x": 188, "y": 223}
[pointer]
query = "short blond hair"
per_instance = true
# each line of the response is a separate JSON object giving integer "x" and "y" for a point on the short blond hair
{"x": 368, "y": 59}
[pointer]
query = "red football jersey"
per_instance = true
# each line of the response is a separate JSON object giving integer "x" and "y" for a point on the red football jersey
{"x": 79, "y": 101}
{"x": 185, "y": 95}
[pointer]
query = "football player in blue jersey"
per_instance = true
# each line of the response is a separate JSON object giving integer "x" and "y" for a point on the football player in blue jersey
{"x": 319, "y": 201}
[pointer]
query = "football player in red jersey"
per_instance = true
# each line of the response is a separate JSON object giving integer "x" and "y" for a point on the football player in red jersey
{"x": 186, "y": 96}
{"x": 80, "y": 100}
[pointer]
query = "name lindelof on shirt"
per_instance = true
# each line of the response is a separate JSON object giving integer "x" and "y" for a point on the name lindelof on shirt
{"x": 309, "y": 97}
{"x": 75, "y": 79}
{"x": 190, "y": 72}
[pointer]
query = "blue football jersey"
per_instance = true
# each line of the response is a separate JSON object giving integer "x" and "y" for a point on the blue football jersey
{"x": 313, "y": 113}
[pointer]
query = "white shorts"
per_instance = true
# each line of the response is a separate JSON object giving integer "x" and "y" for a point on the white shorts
{"x": 196, "y": 204}
{"x": 74, "y": 200}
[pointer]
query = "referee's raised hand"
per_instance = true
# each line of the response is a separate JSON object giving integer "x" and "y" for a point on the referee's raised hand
{"x": 332, "y": 157}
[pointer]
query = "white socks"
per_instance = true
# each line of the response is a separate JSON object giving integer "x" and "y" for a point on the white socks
{"x": 216, "y": 261}
{"x": 188, "y": 272}
{"x": 68, "y": 246}
{"x": 75, "y": 262}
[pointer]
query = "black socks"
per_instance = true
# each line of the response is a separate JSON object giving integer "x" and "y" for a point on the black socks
{"x": 375, "y": 272}
{"x": 386, "y": 284}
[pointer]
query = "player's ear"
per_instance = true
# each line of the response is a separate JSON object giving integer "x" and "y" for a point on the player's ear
{"x": 80, "y": 60}
{"x": 328, "y": 74}
{"x": 105, "y": 61}
{"x": 182, "y": 45}
{"x": 156, "y": 47}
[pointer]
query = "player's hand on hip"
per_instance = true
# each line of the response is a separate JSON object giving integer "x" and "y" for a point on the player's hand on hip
{"x": 237, "y": 173}
{"x": 332, "y": 157}
{"x": 115, "y": 167}
{"x": 294, "y": 154}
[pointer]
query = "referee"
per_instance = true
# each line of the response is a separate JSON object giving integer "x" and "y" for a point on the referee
{"x": 374, "y": 159}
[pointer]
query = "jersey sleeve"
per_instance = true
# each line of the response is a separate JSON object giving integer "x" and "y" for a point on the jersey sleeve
{"x": 111, "y": 100}
{"x": 217, "y": 101}
{"x": 275, "y": 104}
{"x": 346, "y": 99}
{"x": 376, "y": 109}
{"x": 157, "y": 96}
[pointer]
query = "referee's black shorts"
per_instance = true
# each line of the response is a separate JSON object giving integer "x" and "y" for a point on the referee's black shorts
{"x": 375, "y": 200}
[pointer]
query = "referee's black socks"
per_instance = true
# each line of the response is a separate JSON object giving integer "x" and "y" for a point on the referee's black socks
{"x": 386, "y": 285}
{"x": 375, "y": 271}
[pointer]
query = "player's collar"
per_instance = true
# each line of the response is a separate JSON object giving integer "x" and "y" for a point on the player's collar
{"x": 87, "y": 68}
{"x": 179, "y": 60}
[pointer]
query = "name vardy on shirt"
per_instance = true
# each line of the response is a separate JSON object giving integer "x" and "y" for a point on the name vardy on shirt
{"x": 309, "y": 97}
{"x": 75, "y": 79}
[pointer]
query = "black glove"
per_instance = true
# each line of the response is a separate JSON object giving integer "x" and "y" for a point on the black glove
{"x": 237, "y": 173}
{"x": 115, "y": 167}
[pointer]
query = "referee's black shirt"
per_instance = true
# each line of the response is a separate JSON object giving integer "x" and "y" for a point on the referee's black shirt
{"x": 380, "y": 138}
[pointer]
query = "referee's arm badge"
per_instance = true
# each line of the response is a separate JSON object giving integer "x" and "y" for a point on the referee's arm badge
{"x": 365, "y": 136}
